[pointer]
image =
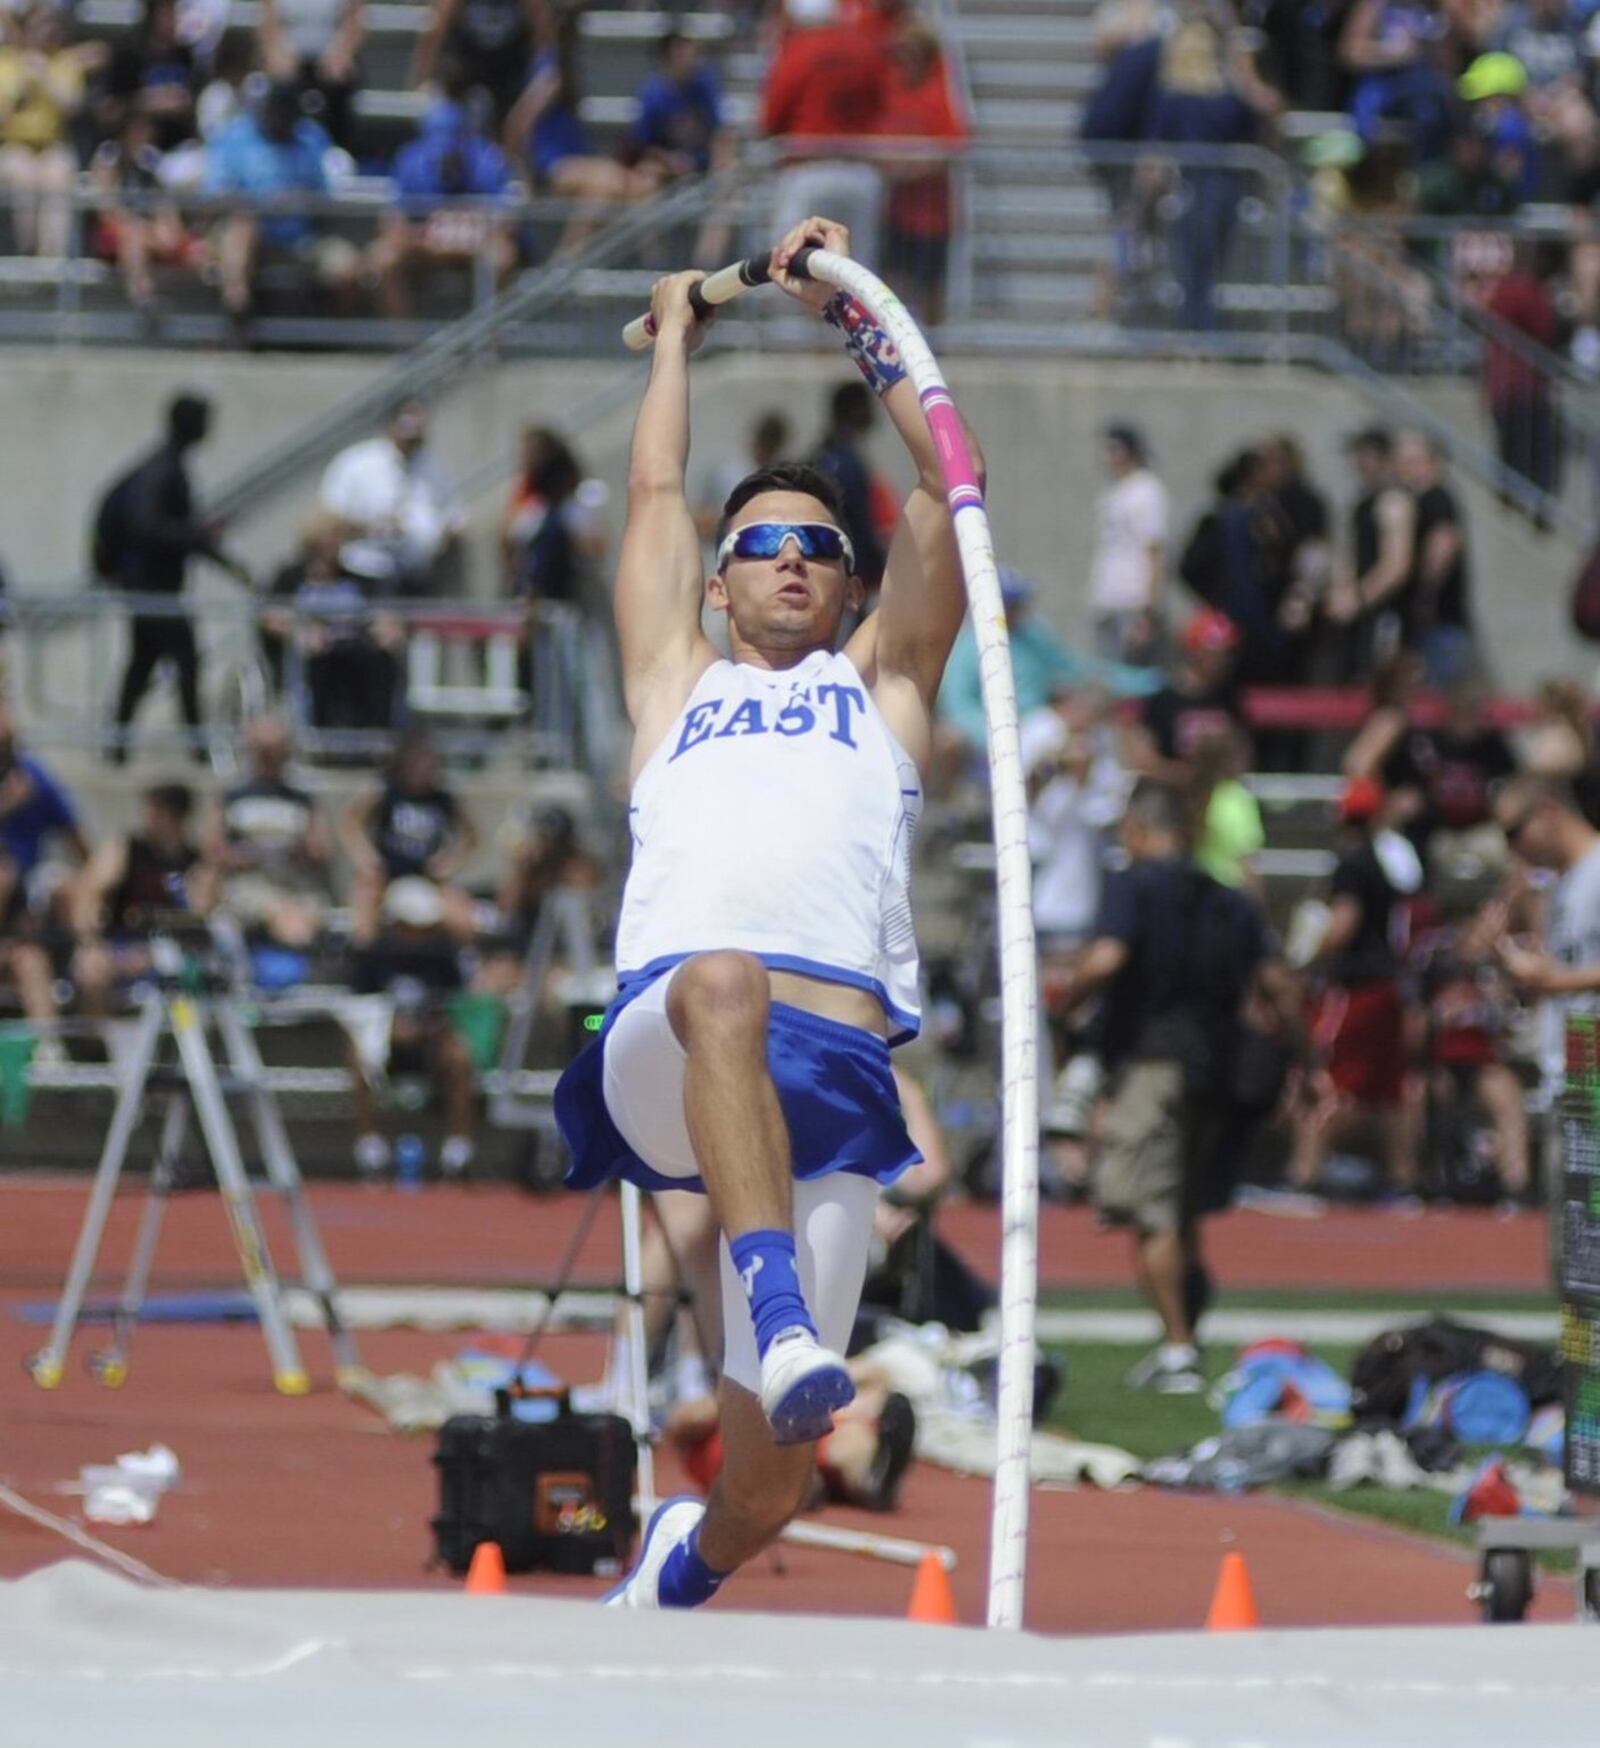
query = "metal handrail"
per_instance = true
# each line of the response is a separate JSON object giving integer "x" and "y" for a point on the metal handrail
{"x": 565, "y": 724}
{"x": 446, "y": 356}
{"x": 1476, "y": 316}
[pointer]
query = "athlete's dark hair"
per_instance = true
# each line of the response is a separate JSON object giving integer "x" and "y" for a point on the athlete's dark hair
{"x": 784, "y": 476}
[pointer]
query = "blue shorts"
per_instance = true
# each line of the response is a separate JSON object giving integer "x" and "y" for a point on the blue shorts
{"x": 620, "y": 1103}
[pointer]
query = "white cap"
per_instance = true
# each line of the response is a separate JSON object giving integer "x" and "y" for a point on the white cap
{"x": 805, "y": 12}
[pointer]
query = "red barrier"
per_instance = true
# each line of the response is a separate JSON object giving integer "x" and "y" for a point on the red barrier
{"x": 1315, "y": 708}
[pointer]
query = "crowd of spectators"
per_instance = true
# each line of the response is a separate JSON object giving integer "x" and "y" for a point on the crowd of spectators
{"x": 264, "y": 858}
{"x": 376, "y": 900}
{"x": 1434, "y": 110}
{"x": 1218, "y": 1022}
{"x": 1317, "y": 602}
{"x": 1384, "y": 1041}
{"x": 207, "y": 149}
{"x": 1492, "y": 101}
{"x": 1388, "y": 1025}
{"x": 385, "y": 535}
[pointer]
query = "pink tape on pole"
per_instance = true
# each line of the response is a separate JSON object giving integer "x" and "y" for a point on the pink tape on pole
{"x": 944, "y": 425}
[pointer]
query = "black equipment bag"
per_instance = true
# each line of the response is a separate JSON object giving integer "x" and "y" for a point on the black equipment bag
{"x": 555, "y": 1494}
{"x": 1382, "y": 1374}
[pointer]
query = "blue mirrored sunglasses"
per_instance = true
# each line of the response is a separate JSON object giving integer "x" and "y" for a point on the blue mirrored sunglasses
{"x": 767, "y": 539}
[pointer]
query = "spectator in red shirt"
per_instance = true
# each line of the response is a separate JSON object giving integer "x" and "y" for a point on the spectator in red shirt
{"x": 1521, "y": 396}
{"x": 920, "y": 106}
{"x": 826, "y": 89}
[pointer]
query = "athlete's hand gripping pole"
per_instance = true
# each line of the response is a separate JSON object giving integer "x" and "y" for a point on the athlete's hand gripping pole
{"x": 1018, "y": 959}
{"x": 720, "y": 287}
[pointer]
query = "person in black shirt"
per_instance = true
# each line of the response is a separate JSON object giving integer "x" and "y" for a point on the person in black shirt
{"x": 152, "y": 69}
{"x": 492, "y": 40}
{"x": 1443, "y": 779}
{"x": 852, "y": 412}
{"x": 1201, "y": 698}
{"x": 1438, "y": 611}
{"x": 1301, "y": 505}
{"x": 128, "y": 884}
{"x": 161, "y": 532}
{"x": 412, "y": 828}
{"x": 547, "y": 553}
{"x": 269, "y": 845}
{"x": 1361, "y": 609}
{"x": 1359, "y": 1021}
{"x": 1174, "y": 956}
{"x": 348, "y": 656}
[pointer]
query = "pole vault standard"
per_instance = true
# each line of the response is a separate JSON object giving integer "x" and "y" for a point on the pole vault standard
{"x": 1008, "y": 1548}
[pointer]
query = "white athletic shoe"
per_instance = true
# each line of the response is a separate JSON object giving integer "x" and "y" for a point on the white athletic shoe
{"x": 1179, "y": 1381}
{"x": 1173, "y": 1371}
{"x": 671, "y": 1521}
{"x": 801, "y": 1385}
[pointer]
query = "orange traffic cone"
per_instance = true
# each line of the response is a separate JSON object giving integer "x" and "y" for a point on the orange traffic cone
{"x": 486, "y": 1576}
{"x": 1233, "y": 1604}
{"x": 932, "y": 1599}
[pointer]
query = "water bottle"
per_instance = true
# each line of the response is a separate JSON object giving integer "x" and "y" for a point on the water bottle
{"x": 409, "y": 1159}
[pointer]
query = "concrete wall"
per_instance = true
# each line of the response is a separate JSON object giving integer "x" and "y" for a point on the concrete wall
{"x": 69, "y": 420}
{"x": 1039, "y": 423}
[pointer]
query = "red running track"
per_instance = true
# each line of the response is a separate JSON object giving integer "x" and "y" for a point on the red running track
{"x": 495, "y": 1236}
{"x": 316, "y": 1491}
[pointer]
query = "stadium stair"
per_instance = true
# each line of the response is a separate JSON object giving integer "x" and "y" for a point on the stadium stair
{"x": 1039, "y": 230}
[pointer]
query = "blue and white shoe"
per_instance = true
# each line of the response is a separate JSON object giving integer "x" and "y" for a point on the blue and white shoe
{"x": 670, "y": 1522}
{"x": 801, "y": 1386}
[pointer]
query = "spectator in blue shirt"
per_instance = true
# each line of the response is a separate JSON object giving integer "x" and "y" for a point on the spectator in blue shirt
{"x": 679, "y": 129}
{"x": 545, "y": 130}
{"x": 444, "y": 179}
{"x": 33, "y": 808}
{"x": 263, "y": 156}
{"x": 679, "y": 122}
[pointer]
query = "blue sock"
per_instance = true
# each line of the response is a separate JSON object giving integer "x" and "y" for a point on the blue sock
{"x": 686, "y": 1580}
{"x": 766, "y": 1265}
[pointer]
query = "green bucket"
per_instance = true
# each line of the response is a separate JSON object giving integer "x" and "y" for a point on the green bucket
{"x": 479, "y": 1021}
{"x": 17, "y": 1045}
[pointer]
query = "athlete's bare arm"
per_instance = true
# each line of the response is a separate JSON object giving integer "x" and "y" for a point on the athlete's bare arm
{"x": 902, "y": 649}
{"x": 923, "y": 599}
{"x": 659, "y": 585}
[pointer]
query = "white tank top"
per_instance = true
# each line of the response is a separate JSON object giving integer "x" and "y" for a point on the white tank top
{"x": 776, "y": 818}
